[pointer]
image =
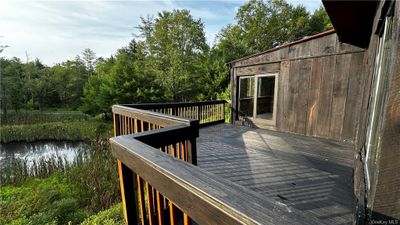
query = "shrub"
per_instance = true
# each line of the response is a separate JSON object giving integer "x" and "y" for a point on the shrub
{"x": 111, "y": 216}
{"x": 97, "y": 178}
{"x": 41, "y": 201}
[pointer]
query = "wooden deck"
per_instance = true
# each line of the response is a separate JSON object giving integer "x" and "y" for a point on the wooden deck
{"x": 310, "y": 174}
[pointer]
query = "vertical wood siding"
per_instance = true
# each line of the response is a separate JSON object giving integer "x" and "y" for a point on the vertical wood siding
{"x": 320, "y": 86}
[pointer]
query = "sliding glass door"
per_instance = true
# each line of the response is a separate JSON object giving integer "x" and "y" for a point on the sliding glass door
{"x": 246, "y": 95}
{"x": 257, "y": 97}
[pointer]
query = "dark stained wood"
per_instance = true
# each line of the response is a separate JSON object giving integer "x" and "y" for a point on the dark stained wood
{"x": 313, "y": 175}
{"x": 152, "y": 117}
{"x": 162, "y": 137}
{"x": 173, "y": 105}
{"x": 142, "y": 204}
{"x": 172, "y": 214}
{"x": 150, "y": 205}
{"x": 186, "y": 219}
{"x": 160, "y": 208}
{"x": 209, "y": 199}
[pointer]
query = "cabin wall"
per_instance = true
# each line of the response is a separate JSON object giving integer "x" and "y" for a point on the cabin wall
{"x": 314, "y": 97}
{"x": 378, "y": 194}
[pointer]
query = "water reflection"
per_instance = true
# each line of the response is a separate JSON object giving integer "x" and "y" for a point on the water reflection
{"x": 65, "y": 150}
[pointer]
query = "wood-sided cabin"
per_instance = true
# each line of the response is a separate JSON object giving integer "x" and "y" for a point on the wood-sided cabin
{"x": 328, "y": 151}
{"x": 312, "y": 87}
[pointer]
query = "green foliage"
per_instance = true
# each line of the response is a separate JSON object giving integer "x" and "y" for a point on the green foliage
{"x": 97, "y": 177}
{"x": 319, "y": 21}
{"x": 32, "y": 85}
{"x": 169, "y": 61}
{"x": 119, "y": 80}
{"x": 70, "y": 130}
{"x": 265, "y": 24}
{"x": 176, "y": 47}
{"x": 111, "y": 216}
{"x": 41, "y": 201}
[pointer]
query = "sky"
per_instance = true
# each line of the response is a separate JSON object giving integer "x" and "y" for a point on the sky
{"x": 55, "y": 31}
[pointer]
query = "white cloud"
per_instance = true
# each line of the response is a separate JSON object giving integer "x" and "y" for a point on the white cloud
{"x": 55, "y": 31}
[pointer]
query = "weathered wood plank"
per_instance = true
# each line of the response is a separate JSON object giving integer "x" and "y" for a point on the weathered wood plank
{"x": 313, "y": 174}
{"x": 294, "y": 79}
{"x": 339, "y": 94}
{"x": 314, "y": 96}
{"x": 325, "y": 106}
{"x": 259, "y": 69}
{"x": 301, "y": 103}
{"x": 283, "y": 82}
{"x": 353, "y": 101}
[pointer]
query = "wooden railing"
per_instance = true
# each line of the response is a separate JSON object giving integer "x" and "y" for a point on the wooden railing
{"x": 160, "y": 183}
{"x": 172, "y": 135}
{"x": 207, "y": 113}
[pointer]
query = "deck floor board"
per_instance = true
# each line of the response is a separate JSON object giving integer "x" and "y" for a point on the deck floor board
{"x": 310, "y": 174}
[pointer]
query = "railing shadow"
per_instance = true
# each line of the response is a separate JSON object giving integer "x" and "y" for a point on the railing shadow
{"x": 282, "y": 167}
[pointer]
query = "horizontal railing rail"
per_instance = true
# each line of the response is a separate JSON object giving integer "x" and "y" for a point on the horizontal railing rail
{"x": 202, "y": 196}
{"x": 160, "y": 183}
{"x": 207, "y": 112}
{"x": 173, "y": 135}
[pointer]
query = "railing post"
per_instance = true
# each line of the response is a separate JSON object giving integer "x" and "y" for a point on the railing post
{"x": 199, "y": 113}
{"x": 116, "y": 124}
{"x": 192, "y": 151}
{"x": 223, "y": 110}
{"x": 128, "y": 186}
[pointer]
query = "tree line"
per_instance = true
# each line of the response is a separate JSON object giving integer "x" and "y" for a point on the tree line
{"x": 169, "y": 60}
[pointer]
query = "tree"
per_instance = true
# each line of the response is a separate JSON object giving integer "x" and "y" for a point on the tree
{"x": 175, "y": 45}
{"x": 12, "y": 83}
{"x": 268, "y": 24}
{"x": 260, "y": 25}
{"x": 319, "y": 21}
{"x": 119, "y": 80}
{"x": 88, "y": 59}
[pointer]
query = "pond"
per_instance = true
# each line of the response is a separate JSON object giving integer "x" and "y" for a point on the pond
{"x": 31, "y": 151}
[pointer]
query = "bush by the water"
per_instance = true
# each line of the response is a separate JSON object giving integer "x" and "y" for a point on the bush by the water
{"x": 42, "y": 201}
{"x": 111, "y": 216}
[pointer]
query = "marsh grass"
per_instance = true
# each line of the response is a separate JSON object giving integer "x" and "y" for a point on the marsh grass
{"x": 36, "y": 116}
{"x": 69, "y": 131}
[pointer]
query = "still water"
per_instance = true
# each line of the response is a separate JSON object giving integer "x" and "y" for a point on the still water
{"x": 67, "y": 150}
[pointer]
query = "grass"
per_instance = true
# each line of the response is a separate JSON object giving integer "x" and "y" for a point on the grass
{"x": 71, "y": 131}
{"x": 35, "y": 116}
{"x": 42, "y": 201}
